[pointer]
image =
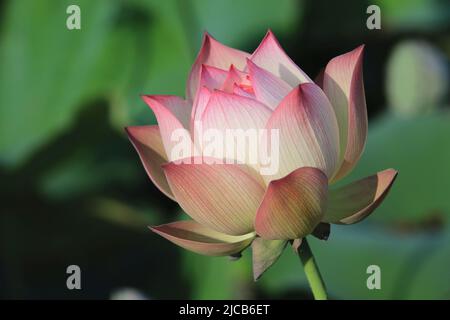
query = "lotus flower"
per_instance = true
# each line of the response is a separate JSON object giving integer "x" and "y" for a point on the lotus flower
{"x": 322, "y": 128}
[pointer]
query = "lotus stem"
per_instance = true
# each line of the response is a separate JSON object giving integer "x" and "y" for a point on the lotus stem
{"x": 311, "y": 270}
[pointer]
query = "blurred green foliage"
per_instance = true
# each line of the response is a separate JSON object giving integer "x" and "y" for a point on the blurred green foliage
{"x": 73, "y": 190}
{"x": 411, "y": 65}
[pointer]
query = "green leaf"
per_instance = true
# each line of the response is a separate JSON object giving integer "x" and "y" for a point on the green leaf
{"x": 46, "y": 70}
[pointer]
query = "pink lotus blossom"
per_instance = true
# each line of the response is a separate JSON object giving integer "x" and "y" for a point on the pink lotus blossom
{"x": 322, "y": 132}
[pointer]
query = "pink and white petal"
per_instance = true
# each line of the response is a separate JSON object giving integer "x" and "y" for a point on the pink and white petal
{"x": 220, "y": 196}
{"x": 292, "y": 206}
{"x": 200, "y": 102}
{"x": 268, "y": 88}
{"x": 173, "y": 116}
{"x": 228, "y": 111}
{"x": 192, "y": 236}
{"x": 308, "y": 131}
{"x": 237, "y": 119}
{"x": 235, "y": 76}
{"x": 241, "y": 92}
{"x": 211, "y": 77}
{"x": 271, "y": 56}
{"x": 265, "y": 253}
{"x": 148, "y": 144}
{"x": 344, "y": 86}
{"x": 180, "y": 108}
{"x": 355, "y": 201}
{"x": 216, "y": 54}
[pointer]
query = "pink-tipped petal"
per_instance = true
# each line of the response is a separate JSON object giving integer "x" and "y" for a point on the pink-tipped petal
{"x": 235, "y": 77}
{"x": 237, "y": 119}
{"x": 173, "y": 115}
{"x": 344, "y": 86}
{"x": 265, "y": 253}
{"x": 212, "y": 77}
{"x": 148, "y": 144}
{"x": 271, "y": 56}
{"x": 308, "y": 131}
{"x": 292, "y": 206}
{"x": 355, "y": 201}
{"x": 223, "y": 197}
{"x": 216, "y": 54}
{"x": 193, "y": 236}
{"x": 268, "y": 88}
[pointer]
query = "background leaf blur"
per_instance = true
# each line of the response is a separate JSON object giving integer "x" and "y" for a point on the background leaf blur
{"x": 73, "y": 190}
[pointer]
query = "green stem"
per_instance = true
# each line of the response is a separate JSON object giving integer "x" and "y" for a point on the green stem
{"x": 312, "y": 271}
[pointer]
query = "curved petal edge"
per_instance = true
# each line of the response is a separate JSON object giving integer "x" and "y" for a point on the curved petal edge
{"x": 193, "y": 236}
{"x": 148, "y": 144}
{"x": 357, "y": 200}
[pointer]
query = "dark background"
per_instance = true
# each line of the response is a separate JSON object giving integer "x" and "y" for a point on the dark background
{"x": 73, "y": 190}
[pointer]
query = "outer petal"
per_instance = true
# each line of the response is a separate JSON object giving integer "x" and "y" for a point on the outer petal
{"x": 268, "y": 88}
{"x": 265, "y": 253}
{"x": 212, "y": 77}
{"x": 148, "y": 144}
{"x": 215, "y": 54}
{"x": 193, "y": 236}
{"x": 270, "y": 56}
{"x": 173, "y": 114}
{"x": 223, "y": 197}
{"x": 308, "y": 131}
{"x": 292, "y": 206}
{"x": 228, "y": 111}
{"x": 344, "y": 86}
{"x": 355, "y": 201}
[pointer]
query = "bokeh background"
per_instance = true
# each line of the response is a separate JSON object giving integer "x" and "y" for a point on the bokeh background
{"x": 73, "y": 190}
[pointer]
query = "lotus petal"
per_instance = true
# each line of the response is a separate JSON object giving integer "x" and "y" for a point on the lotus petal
{"x": 308, "y": 131}
{"x": 292, "y": 206}
{"x": 268, "y": 88}
{"x": 265, "y": 253}
{"x": 173, "y": 115}
{"x": 238, "y": 120}
{"x": 271, "y": 56}
{"x": 236, "y": 77}
{"x": 344, "y": 86}
{"x": 355, "y": 201}
{"x": 193, "y": 236}
{"x": 241, "y": 92}
{"x": 215, "y": 54}
{"x": 148, "y": 144}
{"x": 212, "y": 77}
{"x": 220, "y": 196}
